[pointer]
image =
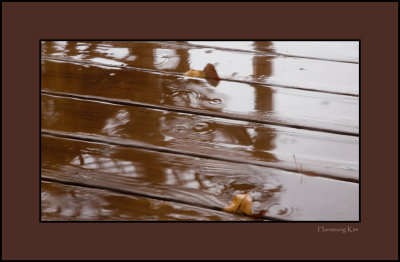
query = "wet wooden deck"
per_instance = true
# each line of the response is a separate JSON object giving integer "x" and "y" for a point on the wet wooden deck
{"x": 125, "y": 136}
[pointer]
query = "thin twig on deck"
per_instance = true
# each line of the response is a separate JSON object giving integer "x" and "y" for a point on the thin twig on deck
{"x": 301, "y": 173}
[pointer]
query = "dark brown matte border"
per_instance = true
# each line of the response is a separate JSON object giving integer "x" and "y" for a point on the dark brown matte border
{"x": 24, "y": 24}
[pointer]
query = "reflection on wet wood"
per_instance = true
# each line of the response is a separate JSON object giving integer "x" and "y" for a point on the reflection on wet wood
{"x": 310, "y": 74}
{"x": 339, "y": 51}
{"x": 274, "y": 105}
{"x": 125, "y": 136}
{"x": 62, "y": 202}
{"x": 319, "y": 153}
{"x": 180, "y": 180}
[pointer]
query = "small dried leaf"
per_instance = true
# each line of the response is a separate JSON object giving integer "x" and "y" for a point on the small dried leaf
{"x": 210, "y": 72}
{"x": 247, "y": 205}
{"x": 241, "y": 203}
{"x": 195, "y": 73}
{"x": 232, "y": 208}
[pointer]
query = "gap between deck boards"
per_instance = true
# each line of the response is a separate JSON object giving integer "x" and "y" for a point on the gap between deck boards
{"x": 192, "y": 111}
{"x": 138, "y": 194}
{"x": 73, "y": 161}
{"x": 180, "y": 74}
{"x": 143, "y": 146}
{"x": 251, "y": 51}
{"x": 114, "y": 207}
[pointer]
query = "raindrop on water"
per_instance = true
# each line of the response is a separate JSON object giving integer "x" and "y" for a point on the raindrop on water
{"x": 280, "y": 209}
{"x": 215, "y": 101}
{"x": 180, "y": 128}
{"x": 200, "y": 127}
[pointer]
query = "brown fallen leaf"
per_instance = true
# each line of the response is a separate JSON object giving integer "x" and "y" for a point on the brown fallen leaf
{"x": 195, "y": 73}
{"x": 241, "y": 203}
{"x": 208, "y": 72}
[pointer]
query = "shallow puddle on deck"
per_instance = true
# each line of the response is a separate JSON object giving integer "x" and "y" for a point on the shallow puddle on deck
{"x": 334, "y": 50}
{"x": 72, "y": 203}
{"x": 260, "y": 68}
{"x": 318, "y": 152}
{"x": 196, "y": 181}
{"x": 263, "y": 103}
{"x": 170, "y": 124}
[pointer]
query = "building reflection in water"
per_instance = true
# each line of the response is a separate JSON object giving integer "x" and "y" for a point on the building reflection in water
{"x": 262, "y": 68}
{"x": 170, "y": 127}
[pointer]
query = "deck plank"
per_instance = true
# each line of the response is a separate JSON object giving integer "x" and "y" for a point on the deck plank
{"x": 274, "y": 105}
{"x": 339, "y": 51}
{"x": 61, "y": 202}
{"x": 197, "y": 181}
{"x": 311, "y": 74}
{"x": 319, "y": 153}
{"x": 125, "y": 136}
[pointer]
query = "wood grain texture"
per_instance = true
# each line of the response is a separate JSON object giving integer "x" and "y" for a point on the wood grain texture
{"x": 125, "y": 135}
{"x": 319, "y": 153}
{"x": 309, "y": 74}
{"x": 338, "y": 51}
{"x": 63, "y": 202}
{"x": 198, "y": 182}
{"x": 273, "y": 105}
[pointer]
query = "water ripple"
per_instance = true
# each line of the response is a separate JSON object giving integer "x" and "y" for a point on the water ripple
{"x": 280, "y": 209}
